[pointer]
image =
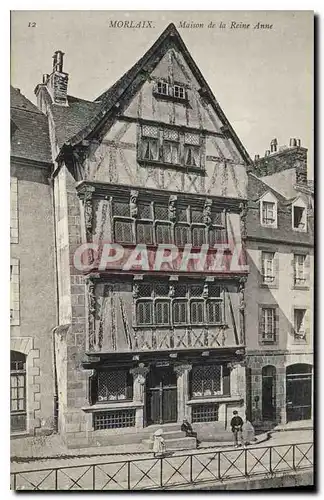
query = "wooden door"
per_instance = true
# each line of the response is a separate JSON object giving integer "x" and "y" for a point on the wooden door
{"x": 299, "y": 392}
{"x": 161, "y": 405}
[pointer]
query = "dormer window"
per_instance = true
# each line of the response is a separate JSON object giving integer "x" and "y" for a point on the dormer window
{"x": 268, "y": 210}
{"x": 299, "y": 216}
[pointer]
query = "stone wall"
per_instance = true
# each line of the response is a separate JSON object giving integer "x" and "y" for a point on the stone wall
{"x": 31, "y": 332}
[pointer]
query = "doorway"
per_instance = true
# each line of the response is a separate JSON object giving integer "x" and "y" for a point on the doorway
{"x": 269, "y": 393}
{"x": 161, "y": 401}
{"x": 299, "y": 392}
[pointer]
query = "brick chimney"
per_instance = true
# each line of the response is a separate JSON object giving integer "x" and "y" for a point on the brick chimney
{"x": 57, "y": 82}
{"x": 273, "y": 145}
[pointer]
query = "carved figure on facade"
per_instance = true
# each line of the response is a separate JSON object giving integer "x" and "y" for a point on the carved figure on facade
{"x": 133, "y": 203}
{"x": 205, "y": 291}
{"x": 86, "y": 194}
{"x": 90, "y": 282}
{"x": 173, "y": 207}
{"x": 135, "y": 290}
{"x": 243, "y": 215}
{"x": 207, "y": 212}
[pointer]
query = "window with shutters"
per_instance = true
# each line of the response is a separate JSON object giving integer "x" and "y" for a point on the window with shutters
{"x": 268, "y": 324}
{"x": 206, "y": 381}
{"x": 268, "y": 272}
{"x": 299, "y": 269}
{"x": 114, "y": 385}
{"x": 14, "y": 292}
{"x": 165, "y": 303}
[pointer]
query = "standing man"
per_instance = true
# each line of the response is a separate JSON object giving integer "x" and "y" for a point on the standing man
{"x": 237, "y": 425}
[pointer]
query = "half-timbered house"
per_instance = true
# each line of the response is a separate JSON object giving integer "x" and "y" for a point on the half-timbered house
{"x": 151, "y": 164}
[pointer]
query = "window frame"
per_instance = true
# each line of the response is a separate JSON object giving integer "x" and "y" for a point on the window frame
{"x": 264, "y": 261}
{"x": 129, "y": 391}
{"x": 268, "y": 337}
{"x": 302, "y": 229}
{"x": 203, "y": 394}
{"x": 299, "y": 335}
{"x": 298, "y": 281}
{"x": 18, "y": 372}
{"x": 172, "y": 300}
{"x": 268, "y": 198}
{"x": 162, "y": 139}
{"x": 189, "y": 225}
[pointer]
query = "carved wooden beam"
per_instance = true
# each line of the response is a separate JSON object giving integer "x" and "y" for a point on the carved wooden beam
{"x": 85, "y": 193}
{"x": 243, "y": 215}
{"x": 173, "y": 207}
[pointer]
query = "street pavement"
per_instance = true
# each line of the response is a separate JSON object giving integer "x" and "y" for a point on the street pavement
{"x": 129, "y": 470}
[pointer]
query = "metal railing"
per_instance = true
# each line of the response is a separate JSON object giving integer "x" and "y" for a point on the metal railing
{"x": 170, "y": 472}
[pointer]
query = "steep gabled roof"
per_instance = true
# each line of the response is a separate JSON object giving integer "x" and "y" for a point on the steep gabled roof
{"x": 71, "y": 119}
{"x": 108, "y": 101}
{"x": 29, "y": 130}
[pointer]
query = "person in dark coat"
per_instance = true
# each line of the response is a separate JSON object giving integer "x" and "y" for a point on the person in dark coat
{"x": 237, "y": 426}
{"x": 187, "y": 428}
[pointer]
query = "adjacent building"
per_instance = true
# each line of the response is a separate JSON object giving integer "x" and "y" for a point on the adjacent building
{"x": 152, "y": 161}
{"x": 32, "y": 271}
{"x": 279, "y": 291}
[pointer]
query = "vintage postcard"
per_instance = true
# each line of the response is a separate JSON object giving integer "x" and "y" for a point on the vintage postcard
{"x": 161, "y": 233}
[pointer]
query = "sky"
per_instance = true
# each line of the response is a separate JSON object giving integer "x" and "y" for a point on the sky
{"x": 262, "y": 78}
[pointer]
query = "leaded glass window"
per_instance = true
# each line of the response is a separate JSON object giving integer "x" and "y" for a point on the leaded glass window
{"x": 182, "y": 235}
{"x": 206, "y": 381}
{"x": 123, "y": 231}
{"x": 114, "y": 385}
{"x": 163, "y": 233}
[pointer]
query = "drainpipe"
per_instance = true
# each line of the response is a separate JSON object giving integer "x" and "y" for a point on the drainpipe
{"x": 56, "y": 397}
{"x": 56, "y": 400}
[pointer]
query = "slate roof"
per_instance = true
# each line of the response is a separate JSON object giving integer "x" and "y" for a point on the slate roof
{"x": 284, "y": 231}
{"x": 29, "y": 129}
{"x": 69, "y": 120}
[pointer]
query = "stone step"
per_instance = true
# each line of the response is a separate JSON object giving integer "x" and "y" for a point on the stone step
{"x": 174, "y": 434}
{"x": 185, "y": 443}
